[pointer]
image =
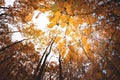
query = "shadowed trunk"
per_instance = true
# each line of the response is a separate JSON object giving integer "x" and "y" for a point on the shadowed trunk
{"x": 38, "y": 66}
{"x": 40, "y": 74}
{"x": 60, "y": 68}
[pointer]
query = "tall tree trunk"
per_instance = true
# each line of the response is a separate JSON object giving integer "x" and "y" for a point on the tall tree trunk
{"x": 60, "y": 68}
{"x": 40, "y": 74}
{"x": 38, "y": 66}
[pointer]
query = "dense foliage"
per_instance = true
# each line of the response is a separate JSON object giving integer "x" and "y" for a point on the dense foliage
{"x": 83, "y": 34}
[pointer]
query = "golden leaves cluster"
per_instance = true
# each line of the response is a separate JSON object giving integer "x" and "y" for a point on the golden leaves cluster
{"x": 30, "y": 31}
{"x": 28, "y": 18}
{"x": 62, "y": 47}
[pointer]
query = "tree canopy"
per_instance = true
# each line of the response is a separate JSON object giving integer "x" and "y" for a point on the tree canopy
{"x": 82, "y": 38}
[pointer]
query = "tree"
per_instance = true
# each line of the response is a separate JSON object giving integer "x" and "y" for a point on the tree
{"x": 85, "y": 34}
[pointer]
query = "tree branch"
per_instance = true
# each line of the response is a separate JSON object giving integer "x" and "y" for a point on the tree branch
{"x": 4, "y": 7}
{"x": 10, "y": 45}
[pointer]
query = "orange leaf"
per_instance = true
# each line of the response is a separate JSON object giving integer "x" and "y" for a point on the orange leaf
{"x": 61, "y": 45}
{"x": 63, "y": 25}
{"x": 28, "y": 17}
{"x": 51, "y": 25}
{"x": 57, "y": 39}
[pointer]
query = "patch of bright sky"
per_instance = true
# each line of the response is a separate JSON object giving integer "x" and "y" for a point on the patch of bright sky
{"x": 101, "y": 3}
{"x": 53, "y": 58}
{"x": 9, "y": 2}
{"x": 104, "y": 71}
{"x": 82, "y": 26}
{"x": 42, "y": 21}
{"x": 15, "y": 36}
{"x": 87, "y": 66}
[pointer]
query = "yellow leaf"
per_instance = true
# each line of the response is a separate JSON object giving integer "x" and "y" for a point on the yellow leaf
{"x": 67, "y": 5}
{"x": 87, "y": 31}
{"x": 84, "y": 40}
{"x": 51, "y": 25}
{"x": 79, "y": 20}
{"x": 63, "y": 25}
{"x": 71, "y": 20}
{"x": 67, "y": 57}
{"x": 54, "y": 7}
{"x": 54, "y": 20}
{"x": 63, "y": 18}
{"x": 28, "y": 17}
{"x": 69, "y": 11}
{"x": 57, "y": 14}
{"x": 71, "y": 48}
{"x": 43, "y": 10}
{"x": 62, "y": 48}
{"x": 75, "y": 24}
{"x": 72, "y": 53}
{"x": 68, "y": 31}
{"x": 57, "y": 39}
{"x": 63, "y": 51}
{"x": 61, "y": 44}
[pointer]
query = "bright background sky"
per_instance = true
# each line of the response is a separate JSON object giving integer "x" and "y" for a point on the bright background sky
{"x": 9, "y": 2}
{"x": 40, "y": 22}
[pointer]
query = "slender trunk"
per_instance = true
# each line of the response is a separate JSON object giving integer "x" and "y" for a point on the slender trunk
{"x": 38, "y": 66}
{"x": 40, "y": 74}
{"x": 60, "y": 68}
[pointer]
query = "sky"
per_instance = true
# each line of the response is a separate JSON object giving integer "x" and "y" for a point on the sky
{"x": 40, "y": 22}
{"x": 16, "y": 36}
{"x": 9, "y": 2}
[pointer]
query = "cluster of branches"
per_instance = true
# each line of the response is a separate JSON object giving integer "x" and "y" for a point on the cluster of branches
{"x": 20, "y": 61}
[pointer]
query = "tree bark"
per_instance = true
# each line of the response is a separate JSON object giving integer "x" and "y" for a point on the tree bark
{"x": 40, "y": 74}
{"x": 60, "y": 68}
{"x": 10, "y": 45}
{"x": 38, "y": 66}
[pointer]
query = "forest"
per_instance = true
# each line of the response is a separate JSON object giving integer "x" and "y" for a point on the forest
{"x": 78, "y": 40}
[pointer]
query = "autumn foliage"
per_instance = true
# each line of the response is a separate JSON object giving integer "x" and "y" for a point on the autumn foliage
{"x": 80, "y": 42}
